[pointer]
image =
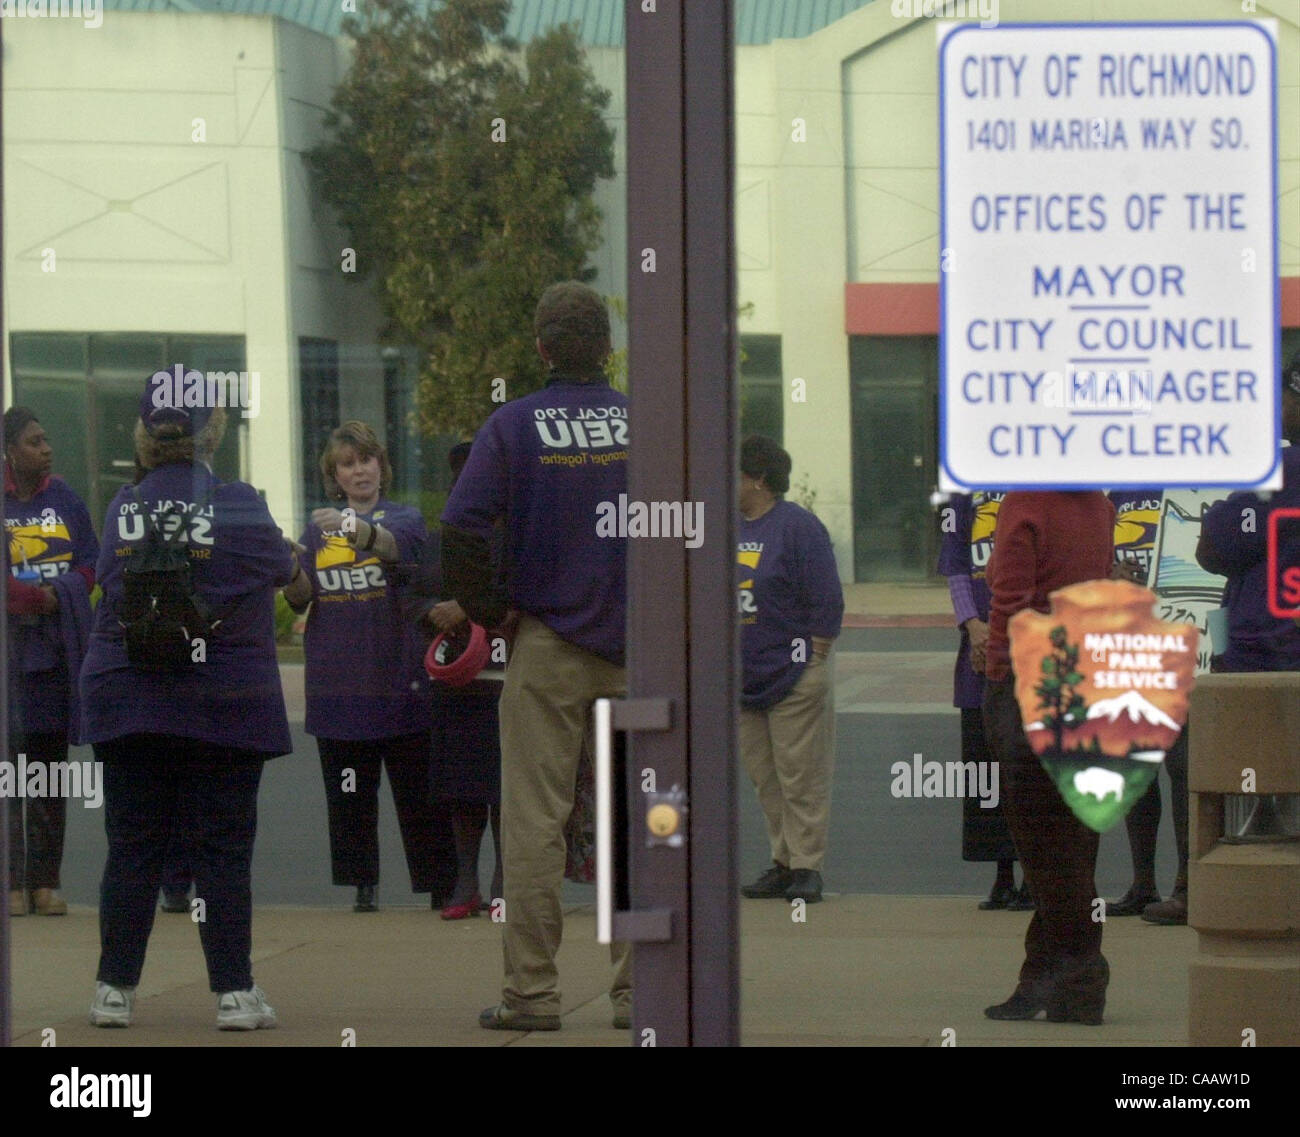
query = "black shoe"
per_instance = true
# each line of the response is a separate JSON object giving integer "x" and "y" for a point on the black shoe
{"x": 1018, "y": 1008}
{"x": 175, "y": 899}
{"x": 1000, "y": 897}
{"x": 1171, "y": 912}
{"x": 502, "y": 1017}
{"x": 1131, "y": 903}
{"x": 805, "y": 885}
{"x": 1022, "y": 901}
{"x": 770, "y": 886}
{"x": 367, "y": 900}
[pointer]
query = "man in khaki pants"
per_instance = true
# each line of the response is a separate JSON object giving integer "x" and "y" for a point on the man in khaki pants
{"x": 544, "y": 464}
{"x": 791, "y": 605}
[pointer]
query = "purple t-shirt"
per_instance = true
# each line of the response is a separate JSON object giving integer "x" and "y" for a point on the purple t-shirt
{"x": 547, "y": 462}
{"x": 364, "y": 676}
{"x": 53, "y": 534}
{"x": 1257, "y": 640}
{"x": 789, "y": 590}
{"x": 965, "y": 551}
{"x": 238, "y": 558}
{"x": 1137, "y": 521}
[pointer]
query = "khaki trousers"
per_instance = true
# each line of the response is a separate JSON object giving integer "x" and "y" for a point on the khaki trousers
{"x": 789, "y": 753}
{"x": 545, "y": 716}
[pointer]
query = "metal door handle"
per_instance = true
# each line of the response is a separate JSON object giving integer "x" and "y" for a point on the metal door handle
{"x": 603, "y": 715}
{"x": 654, "y": 925}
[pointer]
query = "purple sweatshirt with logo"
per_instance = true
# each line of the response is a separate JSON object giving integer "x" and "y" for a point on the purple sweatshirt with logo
{"x": 1137, "y": 521}
{"x": 238, "y": 558}
{"x": 545, "y": 463}
{"x": 789, "y": 591}
{"x": 1234, "y": 543}
{"x": 365, "y": 677}
{"x": 49, "y": 535}
{"x": 964, "y": 557}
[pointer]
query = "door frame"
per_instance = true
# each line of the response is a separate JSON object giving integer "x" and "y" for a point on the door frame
{"x": 685, "y": 416}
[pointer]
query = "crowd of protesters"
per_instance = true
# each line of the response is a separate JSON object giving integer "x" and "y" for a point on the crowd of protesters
{"x": 174, "y": 679}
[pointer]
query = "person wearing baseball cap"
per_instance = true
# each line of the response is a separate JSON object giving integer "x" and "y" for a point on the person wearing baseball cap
{"x": 543, "y": 464}
{"x": 184, "y": 738}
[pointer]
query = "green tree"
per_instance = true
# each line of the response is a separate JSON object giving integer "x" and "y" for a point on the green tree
{"x": 1057, "y": 692}
{"x": 463, "y": 175}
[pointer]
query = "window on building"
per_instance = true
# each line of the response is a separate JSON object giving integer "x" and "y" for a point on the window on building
{"x": 421, "y": 475}
{"x": 318, "y": 390}
{"x": 762, "y": 402}
{"x": 86, "y": 387}
{"x": 895, "y": 388}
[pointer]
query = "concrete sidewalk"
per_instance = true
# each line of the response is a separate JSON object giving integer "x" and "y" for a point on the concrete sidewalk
{"x": 863, "y": 970}
{"x": 919, "y": 605}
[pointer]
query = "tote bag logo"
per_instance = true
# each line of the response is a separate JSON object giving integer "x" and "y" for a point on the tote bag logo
{"x": 1103, "y": 688}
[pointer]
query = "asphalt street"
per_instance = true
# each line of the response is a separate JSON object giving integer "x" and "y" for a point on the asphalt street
{"x": 893, "y": 695}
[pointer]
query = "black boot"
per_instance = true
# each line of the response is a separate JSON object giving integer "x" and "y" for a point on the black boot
{"x": 1022, "y": 901}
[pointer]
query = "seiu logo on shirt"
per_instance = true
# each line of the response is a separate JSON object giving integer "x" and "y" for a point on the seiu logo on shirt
{"x": 338, "y": 570}
{"x": 588, "y": 428}
{"x": 748, "y": 554}
{"x": 1136, "y": 524}
{"x": 43, "y": 542}
{"x": 982, "y": 526}
{"x": 179, "y": 521}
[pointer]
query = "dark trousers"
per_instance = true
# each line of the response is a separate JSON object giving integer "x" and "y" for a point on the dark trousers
{"x": 151, "y": 781}
{"x": 1176, "y": 767}
{"x": 177, "y": 874}
{"x": 984, "y": 832}
{"x": 36, "y": 824}
{"x": 1058, "y": 854}
{"x": 353, "y": 803}
{"x": 1143, "y": 820}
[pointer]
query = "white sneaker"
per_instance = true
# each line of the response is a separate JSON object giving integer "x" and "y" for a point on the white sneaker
{"x": 244, "y": 1010}
{"x": 112, "y": 1005}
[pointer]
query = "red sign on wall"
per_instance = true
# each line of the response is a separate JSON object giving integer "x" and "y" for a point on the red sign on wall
{"x": 1284, "y": 564}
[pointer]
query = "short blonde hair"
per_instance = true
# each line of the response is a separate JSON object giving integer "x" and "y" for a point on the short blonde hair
{"x": 167, "y": 444}
{"x": 362, "y": 438}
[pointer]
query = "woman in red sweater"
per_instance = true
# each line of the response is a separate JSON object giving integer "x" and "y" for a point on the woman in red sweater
{"x": 1046, "y": 541}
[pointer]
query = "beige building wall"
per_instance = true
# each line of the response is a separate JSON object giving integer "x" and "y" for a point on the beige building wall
{"x": 329, "y": 300}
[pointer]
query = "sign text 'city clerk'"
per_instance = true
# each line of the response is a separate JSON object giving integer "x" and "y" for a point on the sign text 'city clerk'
{"x": 1109, "y": 287}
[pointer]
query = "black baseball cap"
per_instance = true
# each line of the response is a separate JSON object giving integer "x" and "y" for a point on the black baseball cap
{"x": 180, "y": 397}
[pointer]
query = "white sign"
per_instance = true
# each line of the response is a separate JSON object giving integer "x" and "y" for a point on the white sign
{"x": 1186, "y": 591}
{"x": 1109, "y": 297}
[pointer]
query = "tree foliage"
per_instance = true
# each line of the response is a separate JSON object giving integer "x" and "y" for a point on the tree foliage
{"x": 1058, "y": 698}
{"x": 463, "y": 171}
